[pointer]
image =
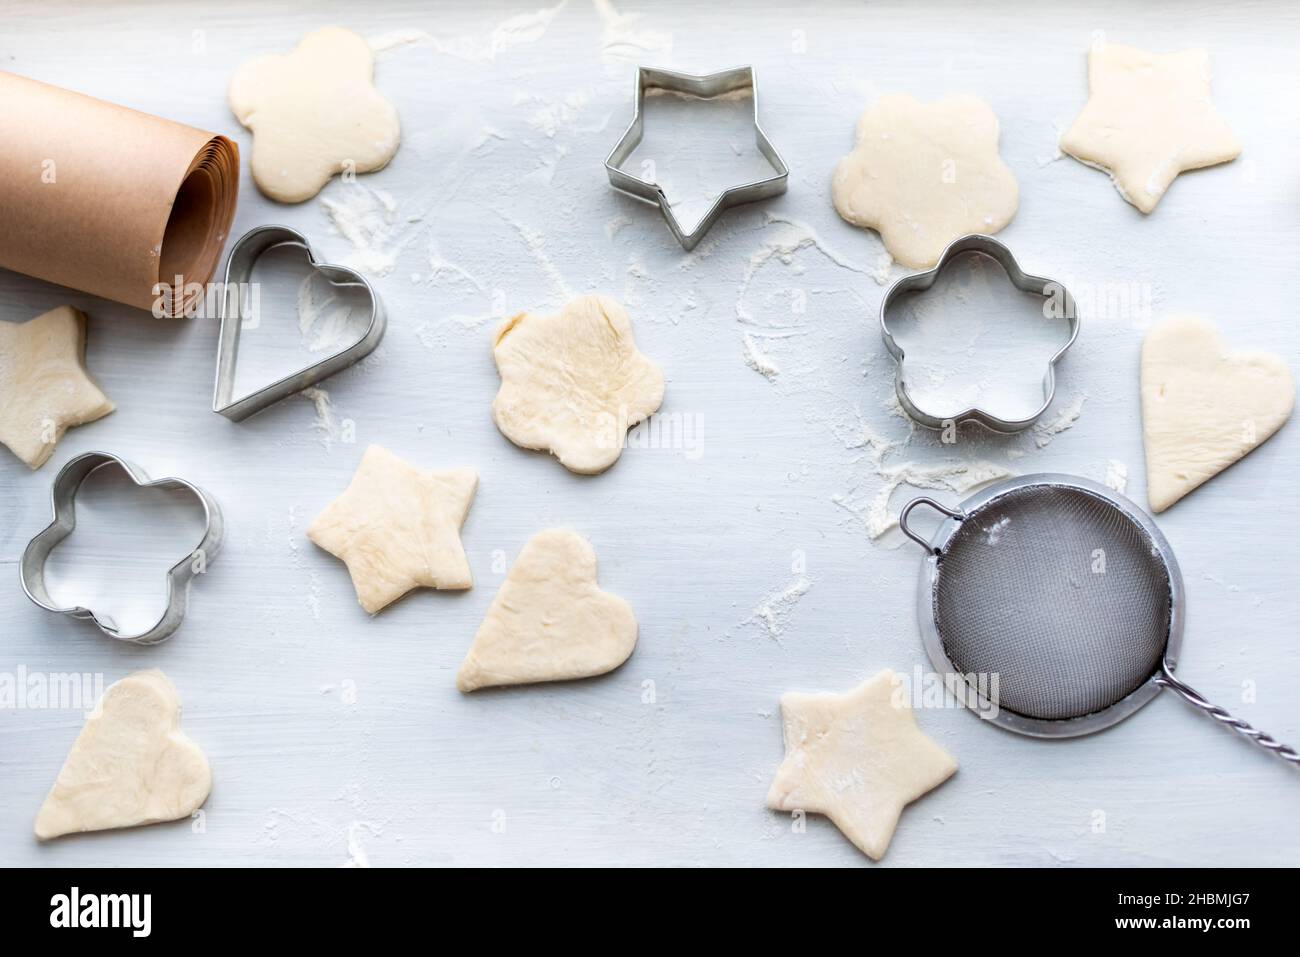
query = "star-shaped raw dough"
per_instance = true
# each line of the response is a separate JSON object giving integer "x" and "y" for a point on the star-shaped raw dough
{"x": 44, "y": 387}
{"x": 398, "y": 527}
{"x": 130, "y": 765}
{"x": 1204, "y": 407}
{"x": 1147, "y": 119}
{"x": 550, "y": 621}
{"x": 924, "y": 174}
{"x": 858, "y": 758}
{"x": 314, "y": 112}
{"x": 574, "y": 382}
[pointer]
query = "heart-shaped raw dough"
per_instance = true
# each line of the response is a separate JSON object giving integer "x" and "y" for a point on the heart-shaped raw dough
{"x": 550, "y": 621}
{"x": 1203, "y": 407}
{"x": 130, "y": 765}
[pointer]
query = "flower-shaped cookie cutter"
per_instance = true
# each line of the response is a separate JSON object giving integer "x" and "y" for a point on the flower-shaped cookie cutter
{"x": 1056, "y": 298}
{"x": 179, "y": 576}
{"x": 234, "y": 308}
{"x": 702, "y": 87}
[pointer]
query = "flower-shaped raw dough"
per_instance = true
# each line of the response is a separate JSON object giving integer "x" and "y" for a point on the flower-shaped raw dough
{"x": 574, "y": 382}
{"x": 923, "y": 174}
{"x": 1204, "y": 407}
{"x": 397, "y": 527}
{"x": 550, "y": 621}
{"x": 314, "y": 112}
{"x": 1147, "y": 119}
{"x": 858, "y": 758}
{"x": 44, "y": 388}
{"x": 130, "y": 765}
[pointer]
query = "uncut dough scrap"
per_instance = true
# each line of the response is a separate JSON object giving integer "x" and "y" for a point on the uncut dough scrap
{"x": 574, "y": 382}
{"x": 44, "y": 386}
{"x": 858, "y": 758}
{"x": 130, "y": 765}
{"x": 550, "y": 621}
{"x": 397, "y": 527}
{"x": 1204, "y": 407}
{"x": 314, "y": 112}
{"x": 924, "y": 174}
{"x": 1147, "y": 119}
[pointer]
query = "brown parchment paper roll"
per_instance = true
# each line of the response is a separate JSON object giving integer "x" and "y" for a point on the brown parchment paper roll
{"x": 108, "y": 200}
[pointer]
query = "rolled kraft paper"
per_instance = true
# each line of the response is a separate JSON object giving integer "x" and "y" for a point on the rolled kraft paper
{"x": 108, "y": 200}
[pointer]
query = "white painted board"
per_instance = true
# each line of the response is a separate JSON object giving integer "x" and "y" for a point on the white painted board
{"x": 336, "y": 738}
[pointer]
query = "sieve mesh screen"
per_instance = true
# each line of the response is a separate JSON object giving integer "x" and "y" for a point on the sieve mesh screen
{"x": 1060, "y": 594}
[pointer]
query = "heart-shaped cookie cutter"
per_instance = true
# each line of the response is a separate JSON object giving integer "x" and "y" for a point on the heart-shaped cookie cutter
{"x": 179, "y": 576}
{"x": 234, "y": 308}
{"x": 1048, "y": 289}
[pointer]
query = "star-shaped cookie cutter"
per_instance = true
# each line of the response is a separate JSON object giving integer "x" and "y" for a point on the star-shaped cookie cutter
{"x": 179, "y": 576}
{"x": 1048, "y": 289}
{"x": 702, "y": 87}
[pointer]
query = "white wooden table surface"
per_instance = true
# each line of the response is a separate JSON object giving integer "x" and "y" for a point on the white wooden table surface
{"x": 336, "y": 738}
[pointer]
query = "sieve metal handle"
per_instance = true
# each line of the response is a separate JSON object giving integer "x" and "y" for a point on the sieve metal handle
{"x": 923, "y": 500}
{"x": 1166, "y": 679}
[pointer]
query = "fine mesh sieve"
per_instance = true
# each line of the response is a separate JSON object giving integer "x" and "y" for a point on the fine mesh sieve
{"x": 1056, "y": 606}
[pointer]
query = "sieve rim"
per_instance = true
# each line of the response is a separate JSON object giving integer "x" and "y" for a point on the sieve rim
{"x": 1010, "y": 720}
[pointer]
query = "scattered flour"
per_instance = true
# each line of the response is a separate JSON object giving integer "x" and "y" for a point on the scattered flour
{"x": 313, "y": 595}
{"x": 536, "y": 244}
{"x": 326, "y": 425}
{"x": 1045, "y": 432}
{"x": 554, "y": 116}
{"x": 958, "y": 477}
{"x": 521, "y": 29}
{"x": 456, "y": 279}
{"x": 894, "y": 406}
{"x": 614, "y": 225}
{"x": 792, "y": 237}
{"x": 367, "y": 218}
{"x": 1117, "y": 475}
{"x": 486, "y": 135}
{"x": 440, "y": 267}
{"x": 515, "y": 31}
{"x": 398, "y": 38}
{"x": 324, "y": 322}
{"x": 993, "y": 534}
{"x": 1227, "y": 586}
{"x": 773, "y": 612}
{"x": 357, "y": 856}
{"x": 884, "y": 264}
{"x": 1058, "y": 131}
{"x": 759, "y": 361}
{"x": 799, "y": 236}
{"x": 623, "y": 40}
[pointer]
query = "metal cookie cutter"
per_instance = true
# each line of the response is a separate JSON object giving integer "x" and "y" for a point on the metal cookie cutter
{"x": 704, "y": 87}
{"x": 234, "y": 308}
{"x": 179, "y": 576}
{"x": 1035, "y": 285}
